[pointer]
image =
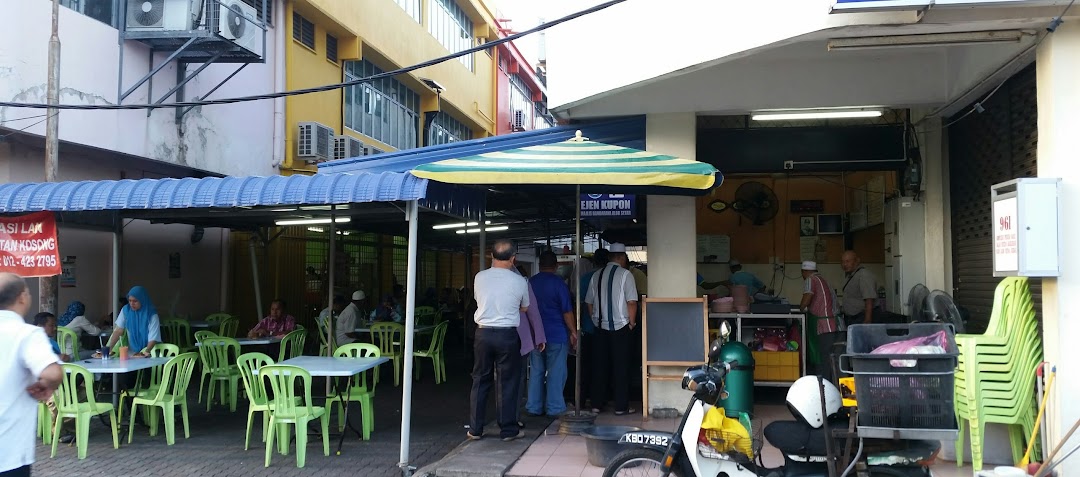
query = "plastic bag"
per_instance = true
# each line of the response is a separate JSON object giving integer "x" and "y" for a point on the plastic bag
{"x": 725, "y": 434}
{"x": 932, "y": 344}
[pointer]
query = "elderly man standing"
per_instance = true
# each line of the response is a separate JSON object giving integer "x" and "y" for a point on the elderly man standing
{"x": 613, "y": 302}
{"x": 819, "y": 304}
{"x": 860, "y": 290}
{"x": 501, "y": 295}
{"x": 29, "y": 372}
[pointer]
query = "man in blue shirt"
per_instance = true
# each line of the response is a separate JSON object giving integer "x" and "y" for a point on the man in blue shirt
{"x": 547, "y": 377}
{"x": 739, "y": 277}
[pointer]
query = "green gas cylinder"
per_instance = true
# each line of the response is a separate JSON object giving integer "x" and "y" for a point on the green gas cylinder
{"x": 740, "y": 380}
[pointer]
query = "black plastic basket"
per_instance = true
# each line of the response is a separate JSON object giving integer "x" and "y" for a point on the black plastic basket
{"x": 893, "y": 397}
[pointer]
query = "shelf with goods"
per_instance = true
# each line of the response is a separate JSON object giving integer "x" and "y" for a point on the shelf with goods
{"x": 771, "y": 368}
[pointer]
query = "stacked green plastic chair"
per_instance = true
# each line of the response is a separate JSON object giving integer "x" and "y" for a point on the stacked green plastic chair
{"x": 995, "y": 375}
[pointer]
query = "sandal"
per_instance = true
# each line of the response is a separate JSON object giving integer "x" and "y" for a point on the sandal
{"x": 623, "y": 413}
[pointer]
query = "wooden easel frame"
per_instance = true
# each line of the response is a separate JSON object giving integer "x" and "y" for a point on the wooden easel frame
{"x": 645, "y": 362}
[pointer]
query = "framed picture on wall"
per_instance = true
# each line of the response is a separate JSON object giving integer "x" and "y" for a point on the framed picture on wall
{"x": 807, "y": 226}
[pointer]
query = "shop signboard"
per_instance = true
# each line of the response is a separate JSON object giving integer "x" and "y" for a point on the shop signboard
{"x": 1006, "y": 258}
{"x": 620, "y": 206}
{"x": 1027, "y": 227}
{"x": 28, "y": 245}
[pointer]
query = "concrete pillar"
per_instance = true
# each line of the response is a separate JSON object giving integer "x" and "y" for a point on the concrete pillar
{"x": 672, "y": 230}
{"x": 1057, "y": 69}
{"x": 935, "y": 197}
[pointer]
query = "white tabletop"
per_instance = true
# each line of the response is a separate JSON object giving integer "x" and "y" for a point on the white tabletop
{"x": 328, "y": 366}
{"x": 418, "y": 329}
{"x": 117, "y": 365}
{"x": 254, "y": 341}
{"x": 201, "y": 324}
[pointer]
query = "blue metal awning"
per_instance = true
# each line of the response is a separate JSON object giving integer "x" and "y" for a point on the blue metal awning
{"x": 238, "y": 192}
{"x": 626, "y": 132}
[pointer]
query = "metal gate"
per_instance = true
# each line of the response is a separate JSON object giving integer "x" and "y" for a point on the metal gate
{"x": 984, "y": 149}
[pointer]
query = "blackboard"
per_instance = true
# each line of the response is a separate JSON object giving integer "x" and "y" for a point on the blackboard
{"x": 675, "y": 330}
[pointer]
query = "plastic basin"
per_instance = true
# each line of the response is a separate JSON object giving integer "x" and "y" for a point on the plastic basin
{"x": 602, "y": 442}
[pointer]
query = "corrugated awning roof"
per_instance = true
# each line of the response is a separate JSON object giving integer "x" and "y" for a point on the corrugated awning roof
{"x": 626, "y": 132}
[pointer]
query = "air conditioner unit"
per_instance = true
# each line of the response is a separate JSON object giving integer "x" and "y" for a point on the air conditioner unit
{"x": 347, "y": 146}
{"x": 369, "y": 150}
{"x": 157, "y": 15}
{"x": 236, "y": 21}
{"x": 519, "y": 120}
{"x": 314, "y": 142}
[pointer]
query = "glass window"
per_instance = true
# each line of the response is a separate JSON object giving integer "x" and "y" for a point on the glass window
{"x": 412, "y": 7}
{"x": 103, "y": 11}
{"x": 331, "y": 48}
{"x": 303, "y": 31}
{"x": 445, "y": 130}
{"x": 522, "y": 110}
{"x": 452, "y": 27}
{"x": 385, "y": 110}
{"x": 258, "y": 4}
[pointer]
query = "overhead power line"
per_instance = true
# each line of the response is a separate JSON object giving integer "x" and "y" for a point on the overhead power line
{"x": 319, "y": 89}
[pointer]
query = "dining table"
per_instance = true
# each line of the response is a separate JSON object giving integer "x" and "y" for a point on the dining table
{"x": 334, "y": 367}
{"x": 116, "y": 367}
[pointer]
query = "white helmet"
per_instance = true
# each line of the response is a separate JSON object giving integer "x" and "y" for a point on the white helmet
{"x": 804, "y": 400}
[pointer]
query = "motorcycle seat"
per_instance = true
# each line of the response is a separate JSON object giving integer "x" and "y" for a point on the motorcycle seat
{"x": 794, "y": 438}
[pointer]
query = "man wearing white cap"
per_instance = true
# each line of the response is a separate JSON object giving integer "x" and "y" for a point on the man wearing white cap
{"x": 345, "y": 325}
{"x": 613, "y": 302}
{"x": 819, "y": 304}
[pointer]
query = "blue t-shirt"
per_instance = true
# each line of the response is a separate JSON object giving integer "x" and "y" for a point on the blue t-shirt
{"x": 552, "y": 299}
{"x": 55, "y": 346}
{"x": 753, "y": 285}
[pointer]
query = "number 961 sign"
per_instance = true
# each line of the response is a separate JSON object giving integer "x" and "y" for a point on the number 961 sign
{"x": 28, "y": 245}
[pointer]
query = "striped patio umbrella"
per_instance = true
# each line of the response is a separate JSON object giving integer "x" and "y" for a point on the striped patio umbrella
{"x": 577, "y": 161}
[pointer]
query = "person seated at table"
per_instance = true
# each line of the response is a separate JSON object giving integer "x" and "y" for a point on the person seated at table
{"x": 140, "y": 319}
{"x": 47, "y": 321}
{"x": 277, "y": 323}
{"x": 75, "y": 320}
{"x": 388, "y": 310}
{"x": 345, "y": 325}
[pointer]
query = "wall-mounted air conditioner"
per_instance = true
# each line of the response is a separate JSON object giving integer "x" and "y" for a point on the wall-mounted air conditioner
{"x": 369, "y": 150}
{"x": 314, "y": 141}
{"x": 158, "y": 15}
{"x": 236, "y": 21}
{"x": 518, "y": 123}
{"x": 347, "y": 146}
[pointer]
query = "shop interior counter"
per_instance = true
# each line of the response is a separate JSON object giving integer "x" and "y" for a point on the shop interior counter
{"x": 771, "y": 368}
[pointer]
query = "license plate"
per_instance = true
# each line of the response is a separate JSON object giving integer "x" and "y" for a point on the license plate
{"x": 646, "y": 439}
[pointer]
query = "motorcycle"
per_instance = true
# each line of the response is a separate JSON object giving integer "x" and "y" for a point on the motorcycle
{"x": 690, "y": 452}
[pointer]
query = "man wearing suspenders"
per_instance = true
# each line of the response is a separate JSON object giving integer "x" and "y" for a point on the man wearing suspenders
{"x": 613, "y": 302}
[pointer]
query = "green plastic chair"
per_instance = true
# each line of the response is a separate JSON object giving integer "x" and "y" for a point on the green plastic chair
{"x": 249, "y": 365}
{"x": 292, "y": 345}
{"x": 200, "y": 336}
{"x": 68, "y": 340}
{"x": 360, "y": 392}
{"x": 323, "y": 346}
{"x": 179, "y": 333}
{"x": 68, "y": 405}
{"x": 172, "y": 392}
{"x": 425, "y": 315}
{"x": 435, "y": 353}
{"x": 44, "y": 423}
{"x": 218, "y": 356}
{"x": 148, "y": 386}
{"x": 285, "y": 409}
{"x": 217, "y": 317}
{"x": 228, "y": 326}
{"x": 386, "y": 337}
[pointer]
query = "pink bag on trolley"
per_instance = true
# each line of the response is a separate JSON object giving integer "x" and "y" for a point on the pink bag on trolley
{"x": 936, "y": 343}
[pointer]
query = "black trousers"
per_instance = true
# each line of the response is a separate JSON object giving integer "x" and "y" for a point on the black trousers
{"x": 23, "y": 471}
{"x": 611, "y": 351}
{"x": 496, "y": 348}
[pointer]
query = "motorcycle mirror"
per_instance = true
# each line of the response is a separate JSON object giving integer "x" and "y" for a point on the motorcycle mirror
{"x": 714, "y": 350}
{"x": 725, "y": 329}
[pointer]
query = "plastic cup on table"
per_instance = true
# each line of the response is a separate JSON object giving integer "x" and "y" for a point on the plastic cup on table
{"x": 123, "y": 353}
{"x": 104, "y": 353}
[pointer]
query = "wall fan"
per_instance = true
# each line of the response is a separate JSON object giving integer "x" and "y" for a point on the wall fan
{"x": 756, "y": 201}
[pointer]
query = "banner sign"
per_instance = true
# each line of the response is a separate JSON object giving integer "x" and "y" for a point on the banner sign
{"x": 607, "y": 205}
{"x": 28, "y": 245}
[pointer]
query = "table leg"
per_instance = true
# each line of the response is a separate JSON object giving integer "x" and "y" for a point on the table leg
{"x": 348, "y": 402}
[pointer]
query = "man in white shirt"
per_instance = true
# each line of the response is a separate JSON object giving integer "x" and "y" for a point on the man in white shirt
{"x": 345, "y": 326}
{"x": 613, "y": 302}
{"x": 501, "y": 295}
{"x": 29, "y": 372}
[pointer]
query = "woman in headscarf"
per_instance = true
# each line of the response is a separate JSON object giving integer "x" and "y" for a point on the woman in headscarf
{"x": 75, "y": 320}
{"x": 140, "y": 319}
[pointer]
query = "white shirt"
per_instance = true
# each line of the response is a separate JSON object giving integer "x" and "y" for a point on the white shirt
{"x": 500, "y": 296}
{"x": 24, "y": 353}
{"x": 346, "y": 323}
{"x": 81, "y": 325}
{"x": 623, "y": 290}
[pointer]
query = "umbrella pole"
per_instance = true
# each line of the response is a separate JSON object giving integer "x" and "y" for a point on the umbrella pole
{"x": 577, "y": 283}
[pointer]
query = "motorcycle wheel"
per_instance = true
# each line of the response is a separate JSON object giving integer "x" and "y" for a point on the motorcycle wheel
{"x": 638, "y": 463}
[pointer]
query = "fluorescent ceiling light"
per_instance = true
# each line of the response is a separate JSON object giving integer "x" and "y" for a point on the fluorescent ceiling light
{"x": 317, "y": 230}
{"x": 794, "y": 115}
{"x": 340, "y": 220}
{"x": 927, "y": 40}
{"x": 497, "y": 228}
{"x": 291, "y": 209}
{"x": 458, "y": 225}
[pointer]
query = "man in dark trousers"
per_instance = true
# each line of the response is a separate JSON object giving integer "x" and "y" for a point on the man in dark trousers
{"x": 613, "y": 302}
{"x": 501, "y": 295}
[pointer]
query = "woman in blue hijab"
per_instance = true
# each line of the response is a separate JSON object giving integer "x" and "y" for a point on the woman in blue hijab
{"x": 74, "y": 310}
{"x": 140, "y": 319}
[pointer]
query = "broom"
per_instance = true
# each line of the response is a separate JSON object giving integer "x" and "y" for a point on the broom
{"x": 1042, "y": 407}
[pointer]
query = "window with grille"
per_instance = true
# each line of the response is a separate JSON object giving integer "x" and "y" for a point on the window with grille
{"x": 331, "y": 48}
{"x": 385, "y": 110}
{"x": 258, "y": 6}
{"x": 101, "y": 10}
{"x": 412, "y": 7}
{"x": 303, "y": 31}
{"x": 445, "y": 130}
{"x": 449, "y": 24}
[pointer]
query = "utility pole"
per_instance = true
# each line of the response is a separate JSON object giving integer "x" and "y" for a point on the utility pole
{"x": 47, "y": 286}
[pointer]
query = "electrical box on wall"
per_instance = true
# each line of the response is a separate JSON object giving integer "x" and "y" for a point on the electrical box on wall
{"x": 1027, "y": 227}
